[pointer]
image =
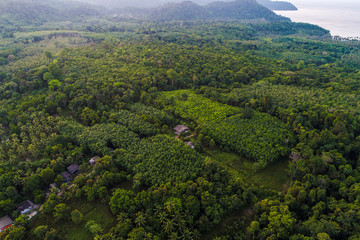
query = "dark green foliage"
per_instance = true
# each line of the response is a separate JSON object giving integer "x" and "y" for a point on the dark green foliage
{"x": 252, "y": 85}
{"x": 261, "y": 137}
{"x": 236, "y": 10}
{"x": 40, "y": 231}
{"x": 122, "y": 201}
{"x": 21, "y": 12}
{"x": 152, "y": 114}
{"x": 135, "y": 123}
{"x": 61, "y": 212}
{"x": 235, "y": 231}
{"x": 161, "y": 159}
{"x": 277, "y": 5}
{"x": 100, "y": 138}
{"x": 76, "y": 216}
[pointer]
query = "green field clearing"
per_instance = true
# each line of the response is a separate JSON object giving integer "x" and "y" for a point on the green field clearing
{"x": 96, "y": 211}
{"x": 273, "y": 176}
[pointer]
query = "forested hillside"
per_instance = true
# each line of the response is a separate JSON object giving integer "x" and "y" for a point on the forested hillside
{"x": 37, "y": 12}
{"x": 236, "y": 10}
{"x": 30, "y": 13}
{"x": 128, "y": 129}
{"x": 278, "y": 5}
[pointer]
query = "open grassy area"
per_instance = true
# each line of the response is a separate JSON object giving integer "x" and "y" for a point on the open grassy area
{"x": 273, "y": 176}
{"x": 256, "y": 135}
{"x": 96, "y": 211}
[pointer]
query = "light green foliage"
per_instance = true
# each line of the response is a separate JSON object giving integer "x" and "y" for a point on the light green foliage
{"x": 152, "y": 114}
{"x": 54, "y": 69}
{"x": 47, "y": 175}
{"x": 276, "y": 221}
{"x": 323, "y": 236}
{"x": 302, "y": 98}
{"x": 36, "y": 134}
{"x": 135, "y": 123}
{"x": 98, "y": 137}
{"x": 254, "y": 228}
{"x": 61, "y": 212}
{"x": 16, "y": 233}
{"x": 54, "y": 84}
{"x": 262, "y": 138}
{"x": 94, "y": 228}
{"x": 52, "y": 234}
{"x": 161, "y": 159}
{"x": 196, "y": 108}
{"x": 48, "y": 77}
{"x": 76, "y": 216}
{"x": 40, "y": 231}
{"x": 122, "y": 200}
{"x": 57, "y": 108}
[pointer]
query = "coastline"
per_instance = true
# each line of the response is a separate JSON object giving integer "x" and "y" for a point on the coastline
{"x": 344, "y": 23}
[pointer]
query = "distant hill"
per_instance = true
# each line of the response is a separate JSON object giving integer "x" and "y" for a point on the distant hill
{"x": 273, "y": 5}
{"x": 180, "y": 12}
{"x": 278, "y": 5}
{"x": 236, "y": 10}
{"x": 36, "y": 12}
{"x": 127, "y": 3}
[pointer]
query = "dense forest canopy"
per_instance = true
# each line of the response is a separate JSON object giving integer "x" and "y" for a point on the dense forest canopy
{"x": 269, "y": 146}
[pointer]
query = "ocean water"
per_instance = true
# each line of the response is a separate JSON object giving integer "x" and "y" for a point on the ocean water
{"x": 341, "y": 18}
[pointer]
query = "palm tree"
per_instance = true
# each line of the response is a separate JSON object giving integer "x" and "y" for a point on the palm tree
{"x": 169, "y": 226}
{"x": 122, "y": 217}
{"x": 163, "y": 217}
{"x": 170, "y": 207}
{"x": 140, "y": 219}
{"x": 187, "y": 234}
{"x": 148, "y": 236}
{"x": 173, "y": 236}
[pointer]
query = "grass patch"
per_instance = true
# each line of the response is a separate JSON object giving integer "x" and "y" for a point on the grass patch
{"x": 273, "y": 176}
{"x": 96, "y": 211}
{"x": 255, "y": 135}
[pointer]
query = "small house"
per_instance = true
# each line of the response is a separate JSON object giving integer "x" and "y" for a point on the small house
{"x": 25, "y": 207}
{"x": 33, "y": 214}
{"x": 93, "y": 160}
{"x": 73, "y": 168}
{"x": 190, "y": 144}
{"x": 66, "y": 176}
{"x": 52, "y": 185}
{"x": 180, "y": 129}
{"x": 5, "y": 222}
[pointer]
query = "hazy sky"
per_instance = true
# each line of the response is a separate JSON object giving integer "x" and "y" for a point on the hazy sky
{"x": 145, "y": 3}
{"x": 298, "y": 3}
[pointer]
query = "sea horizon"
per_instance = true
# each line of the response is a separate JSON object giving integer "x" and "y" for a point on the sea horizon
{"x": 341, "y": 20}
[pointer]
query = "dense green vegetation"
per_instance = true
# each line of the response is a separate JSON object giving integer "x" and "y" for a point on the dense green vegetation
{"x": 272, "y": 110}
{"x": 257, "y": 136}
{"x": 236, "y": 10}
{"x": 161, "y": 159}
